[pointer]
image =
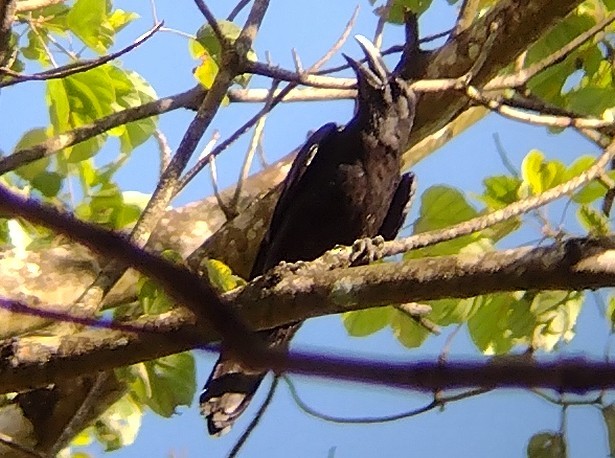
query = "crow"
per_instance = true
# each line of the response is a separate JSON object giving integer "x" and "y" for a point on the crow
{"x": 345, "y": 184}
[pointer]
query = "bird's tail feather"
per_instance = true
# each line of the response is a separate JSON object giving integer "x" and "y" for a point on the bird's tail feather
{"x": 230, "y": 387}
{"x": 227, "y": 394}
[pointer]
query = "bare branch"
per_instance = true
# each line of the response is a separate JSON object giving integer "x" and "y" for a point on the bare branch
{"x": 240, "y": 5}
{"x": 58, "y": 142}
{"x": 76, "y": 67}
{"x": 541, "y": 119}
{"x": 523, "y": 76}
{"x": 212, "y": 22}
{"x": 187, "y": 288}
{"x": 438, "y": 402}
{"x": 257, "y": 418}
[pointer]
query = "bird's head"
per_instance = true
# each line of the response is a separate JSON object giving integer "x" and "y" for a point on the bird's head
{"x": 385, "y": 101}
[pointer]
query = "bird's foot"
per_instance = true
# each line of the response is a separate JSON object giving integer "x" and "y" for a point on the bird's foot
{"x": 273, "y": 276}
{"x": 367, "y": 250}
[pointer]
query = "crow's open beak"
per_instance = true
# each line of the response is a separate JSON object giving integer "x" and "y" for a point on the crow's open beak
{"x": 376, "y": 73}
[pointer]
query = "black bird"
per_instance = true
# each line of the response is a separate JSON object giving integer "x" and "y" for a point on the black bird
{"x": 344, "y": 185}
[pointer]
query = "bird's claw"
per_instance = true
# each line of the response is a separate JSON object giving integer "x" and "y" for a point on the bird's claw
{"x": 367, "y": 250}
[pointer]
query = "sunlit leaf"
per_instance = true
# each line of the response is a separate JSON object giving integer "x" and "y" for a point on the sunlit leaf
{"x": 593, "y": 220}
{"x": 207, "y": 49}
{"x": 48, "y": 183}
{"x": 500, "y": 190}
{"x": 556, "y": 314}
{"x": 119, "y": 425}
{"x": 88, "y": 19}
{"x": 166, "y": 383}
{"x": 541, "y": 174}
{"x": 221, "y": 276}
{"x": 120, "y": 19}
{"x": 501, "y": 322}
{"x": 30, "y": 138}
{"x": 406, "y": 330}
{"x": 365, "y": 322}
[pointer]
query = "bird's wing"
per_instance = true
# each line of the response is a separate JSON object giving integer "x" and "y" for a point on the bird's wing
{"x": 304, "y": 157}
{"x": 400, "y": 205}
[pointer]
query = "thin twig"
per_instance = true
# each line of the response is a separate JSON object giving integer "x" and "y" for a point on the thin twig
{"x": 76, "y": 67}
{"x": 417, "y": 313}
{"x": 257, "y": 418}
{"x": 164, "y": 148}
{"x": 8, "y": 442}
{"x": 503, "y": 156}
{"x": 436, "y": 403}
{"x": 338, "y": 44}
{"x": 278, "y": 97}
{"x": 233, "y": 14}
{"x": 202, "y": 162}
{"x": 536, "y": 119}
{"x": 76, "y": 421}
{"x": 212, "y": 22}
{"x": 383, "y": 16}
{"x": 522, "y": 77}
{"x": 259, "y": 128}
{"x": 517, "y": 208}
{"x": 186, "y": 287}
{"x": 340, "y": 257}
{"x": 82, "y": 133}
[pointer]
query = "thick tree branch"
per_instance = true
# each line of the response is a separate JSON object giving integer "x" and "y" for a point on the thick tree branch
{"x": 294, "y": 296}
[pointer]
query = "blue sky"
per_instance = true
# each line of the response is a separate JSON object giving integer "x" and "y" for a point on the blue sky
{"x": 496, "y": 424}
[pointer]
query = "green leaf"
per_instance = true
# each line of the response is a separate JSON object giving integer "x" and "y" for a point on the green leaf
{"x": 35, "y": 49}
{"x": 500, "y": 191}
{"x": 166, "y": 383}
{"x": 556, "y": 315}
{"x": 83, "y": 439}
{"x": 549, "y": 83}
{"x": 592, "y": 191}
{"x": 48, "y": 183}
{"x": 365, "y": 322}
{"x": 500, "y": 322}
{"x": 30, "y": 138}
{"x": 547, "y": 444}
{"x": 132, "y": 90}
{"x": 207, "y": 48}
{"x": 610, "y": 312}
{"x": 442, "y": 206}
{"x": 594, "y": 221}
{"x": 221, "y": 276}
{"x": 89, "y": 20}
{"x": 540, "y": 174}
{"x": 608, "y": 414}
{"x": 453, "y": 311}
{"x": 80, "y": 99}
{"x": 407, "y": 331}
{"x": 51, "y": 18}
{"x": 152, "y": 298}
{"x": 108, "y": 207}
{"x": 396, "y": 12}
{"x": 119, "y": 425}
{"x": 206, "y": 72}
{"x": 591, "y": 101}
{"x": 120, "y": 19}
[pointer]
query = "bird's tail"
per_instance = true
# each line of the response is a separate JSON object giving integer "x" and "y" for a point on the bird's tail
{"x": 230, "y": 387}
{"x": 227, "y": 394}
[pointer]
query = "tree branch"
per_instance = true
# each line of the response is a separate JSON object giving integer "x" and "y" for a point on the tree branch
{"x": 574, "y": 265}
